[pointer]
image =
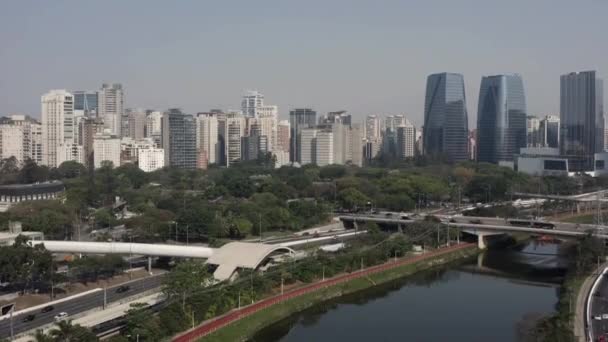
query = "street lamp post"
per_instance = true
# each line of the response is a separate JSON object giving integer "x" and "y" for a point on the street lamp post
{"x": 260, "y": 225}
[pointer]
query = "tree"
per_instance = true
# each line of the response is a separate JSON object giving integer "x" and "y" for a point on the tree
{"x": 242, "y": 227}
{"x": 23, "y": 264}
{"x": 332, "y": 171}
{"x": 141, "y": 325}
{"x": 32, "y": 173}
{"x": 69, "y": 169}
{"x": 50, "y": 217}
{"x": 104, "y": 218}
{"x": 65, "y": 331}
{"x": 186, "y": 278}
{"x": 40, "y": 336}
{"x": 351, "y": 198}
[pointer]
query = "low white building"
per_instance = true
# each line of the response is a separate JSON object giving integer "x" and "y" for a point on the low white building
{"x": 106, "y": 147}
{"x": 542, "y": 161}
{"x": 151, "y": 159}
{"x": 70, "y": 152}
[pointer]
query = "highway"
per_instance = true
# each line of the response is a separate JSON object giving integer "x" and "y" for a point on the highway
{"x": 78, "y": 305}
{"x": 599, "y": 307}
{"x": 485, "y": 223}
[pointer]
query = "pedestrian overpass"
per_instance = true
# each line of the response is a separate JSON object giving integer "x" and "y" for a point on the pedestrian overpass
{"x": 228, "y": 258}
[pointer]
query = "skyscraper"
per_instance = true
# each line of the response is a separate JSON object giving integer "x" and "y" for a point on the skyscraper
{"x": 153, "y": 126}
{"x": 582, "y": 119}
{"x": 235, "y": 131}
{"x": 533, "y": 131}
{"x": 251, "y": 102}
{"x": 406, "y": 140}
{"x": 206, "y": 135}
{"x": 324, "y": 148}
{"x": 501, "y": 118}
{"x": 57, "y": 124}
{"x": 549, "y": 131}
{"x": 111, "y": 104}
{"x": 308, "y": 146}
{"x": 179, "y": 139}
{"x": 372, "y": 127}
{"x": 357, "y": 140}
{"x": 299, "y": 119}
{"x": 136, "y": 124}
{"x": 445, "y": 117}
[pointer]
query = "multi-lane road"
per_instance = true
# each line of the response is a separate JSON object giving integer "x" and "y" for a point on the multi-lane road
{"x": 598, "y": 308}
{"x": 78, "y": 305}
{"x": 483, "y": 223}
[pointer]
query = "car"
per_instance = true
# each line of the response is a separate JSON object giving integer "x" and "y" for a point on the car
{"x": 123, "y": 288}
{"x": 28, "y": 318}
{"x": 602, "y": 338}
{"x": 47, "y": 308}
{"x": 597, "y": 318}
{"x": 61, "y": 316}
{"x": 597, "y": 294}
{"x": 605, "y": 316}
{"x": 452, "y": 220}
{"x": 475, "y": 221}
{"x": 388, "y": 214}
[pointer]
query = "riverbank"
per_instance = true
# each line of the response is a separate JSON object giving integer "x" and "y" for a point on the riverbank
{"x": 239, "y": 325}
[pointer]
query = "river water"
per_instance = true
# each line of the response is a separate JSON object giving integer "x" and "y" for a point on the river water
{"x": 489, "y": 298}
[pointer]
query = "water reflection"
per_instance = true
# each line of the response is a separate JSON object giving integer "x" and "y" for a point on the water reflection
{"x": 460, "y": 302}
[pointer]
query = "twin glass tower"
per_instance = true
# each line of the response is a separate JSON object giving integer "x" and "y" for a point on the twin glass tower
{"x": 501, "y": 118}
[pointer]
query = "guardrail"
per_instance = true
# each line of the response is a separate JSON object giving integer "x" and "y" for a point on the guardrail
{"x": 588, "y": 304}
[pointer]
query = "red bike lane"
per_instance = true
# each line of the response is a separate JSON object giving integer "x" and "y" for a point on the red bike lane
{"x": 212, "y": 325}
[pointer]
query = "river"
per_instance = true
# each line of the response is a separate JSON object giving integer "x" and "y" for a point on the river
{"x": 458, "y": 302}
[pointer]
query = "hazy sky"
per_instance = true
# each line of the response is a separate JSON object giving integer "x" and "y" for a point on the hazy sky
{"x": 363, "y": 56}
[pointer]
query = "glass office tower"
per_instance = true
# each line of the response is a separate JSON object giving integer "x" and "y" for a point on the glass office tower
{"x": 501, "y": 118}
{"x": 446, "y": 125}
{"x": 582, "y": 119}
{"x": 299, "y": 119}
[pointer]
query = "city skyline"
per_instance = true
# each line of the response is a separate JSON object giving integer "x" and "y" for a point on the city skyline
{"x": 347, "y": 65}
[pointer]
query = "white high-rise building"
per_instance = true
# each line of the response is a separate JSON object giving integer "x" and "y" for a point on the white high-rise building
{"x": 36, "y": 149}
{"x": 13, "y": 138}
{"x": 136, "y": 124}
{"x": 252, "y": 101}
{"x": 20, "y": 137}
{"x": 235, "y": 131}
{"x": 283, "y": 130}
{"x": 207, "y": 136}
{"x": 151, "y": 159}
{"x": 372, "y": 127}
{"x": 357, "y": 141}
{"x": 106, "y": 147}
{"x": 57, "y": 124}
{"x": 154, "y": 126}
{"x": 111, "y": 107}
{"x": 268, "y": 117}
{"x": 406, "y": 140}
{"x": 308, "y": 146}
{"x": 324, "y": 148}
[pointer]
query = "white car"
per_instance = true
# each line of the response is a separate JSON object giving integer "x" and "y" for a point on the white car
{"x": 605, "y": 316}
{"x": 597, "y": 318}
{"x": 61, "y": 316}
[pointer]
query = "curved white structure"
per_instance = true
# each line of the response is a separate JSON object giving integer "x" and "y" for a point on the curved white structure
{"x": 148, "y": 249}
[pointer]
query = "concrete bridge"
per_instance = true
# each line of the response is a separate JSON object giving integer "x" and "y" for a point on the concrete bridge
{"x": 483, "y": 227}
